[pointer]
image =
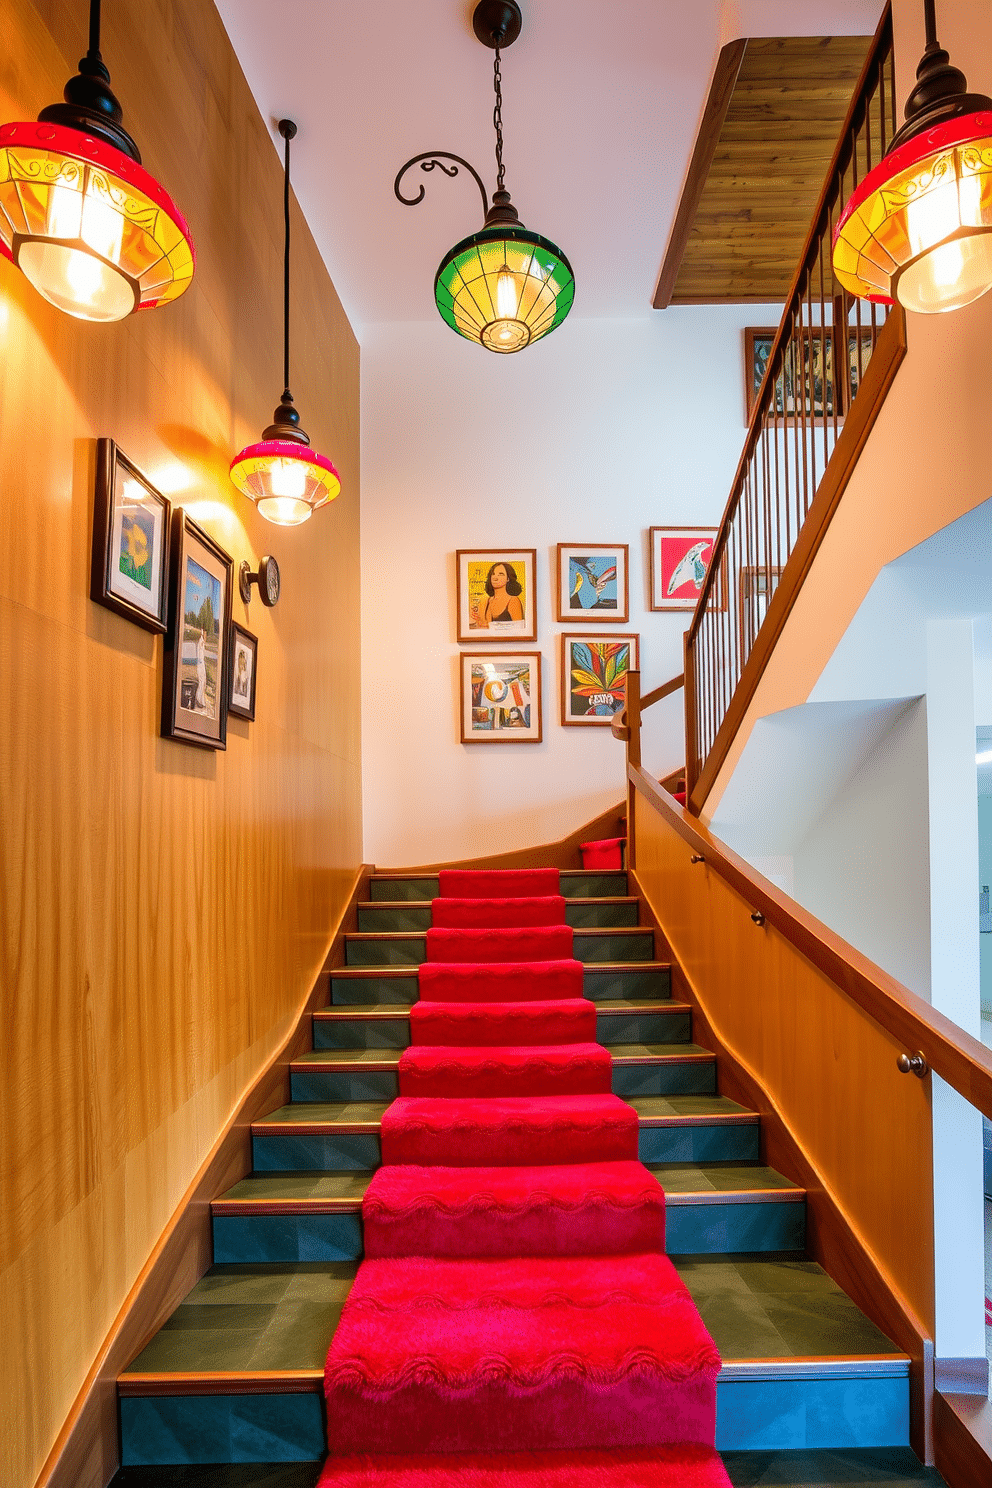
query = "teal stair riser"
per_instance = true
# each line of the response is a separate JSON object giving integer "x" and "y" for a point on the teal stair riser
{"x": 389, "y": 1033}
{"x": 699, "y": 1144}
{"x": 599, "y": 986}
{"x": 380, "y": 1085}
{"x": 353, "y": 1151}
{"x": 592, "y": 886}
{"x": 759, "y": 1415}
{"x": 586, "y": 948}
{"x": 724, "y": 1229}
{"x": 413, "y": 917}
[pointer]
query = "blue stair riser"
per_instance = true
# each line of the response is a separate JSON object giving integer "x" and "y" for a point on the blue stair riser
{"x": 599, "y": 986}
{"x": 413, "y": 917}
{"x": 703, "y": 1143}
{"x": 354, "y": 1151}
{"x": 378, "y": 1085}
{"x": 586, "y": 948}
{"x": 394, "y": 1033}
{"x": 725, "y": 1229}
{"x": 591, "y": 886}
{"x": 751, "y": 1415}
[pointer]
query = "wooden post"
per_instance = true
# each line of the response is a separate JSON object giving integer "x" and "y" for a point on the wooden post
{"x": 633, "y": 755}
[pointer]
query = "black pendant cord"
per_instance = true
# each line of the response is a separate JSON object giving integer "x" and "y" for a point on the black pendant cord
{"x": 930, "y": 13}
{"x": 286, "y": 419}
{"x": 94, "y": 47}
{"x": 285, "y": 281}
{"x": 90, "y": 103}
{"x": 498, "y": 121}
{"x": 941, "y": 92}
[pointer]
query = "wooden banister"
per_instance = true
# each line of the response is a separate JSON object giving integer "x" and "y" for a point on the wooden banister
{"x": 951, "y": 1053}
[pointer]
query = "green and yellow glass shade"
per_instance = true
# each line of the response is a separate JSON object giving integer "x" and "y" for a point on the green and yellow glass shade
{"x": 504, "y": 288}
{"x": 918, "y": 229}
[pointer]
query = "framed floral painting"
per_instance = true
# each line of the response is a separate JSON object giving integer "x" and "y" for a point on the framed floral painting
{"x": 496, "y": 595}
{"x": 501, "y": 697}
{"x": 130, "y": 561}
{"x": 592, "y": 582}
{"x": 594, "y": 677}
{"x": 680, "y": 560}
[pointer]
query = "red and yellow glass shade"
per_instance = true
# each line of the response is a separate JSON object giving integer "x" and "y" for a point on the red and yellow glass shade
{"x": 919, "y": 227}
{"x": 286, "y": 479}
{"x": 93, "y": 232}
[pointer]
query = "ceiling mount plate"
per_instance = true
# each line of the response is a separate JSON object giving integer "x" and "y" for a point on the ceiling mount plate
{"x": 497, "y": 20}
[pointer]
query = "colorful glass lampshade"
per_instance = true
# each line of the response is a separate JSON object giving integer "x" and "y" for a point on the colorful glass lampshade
{"x": 504, "y": 287}
{"x": 94, "y": 233}
{"x": 918, "y": 229}
{"x": 286, "y": 479}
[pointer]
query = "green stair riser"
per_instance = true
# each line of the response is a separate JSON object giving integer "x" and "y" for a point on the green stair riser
{"x": 414, "y": 917}
{"x": 354, "y": 1151}
{"x": 693, "y": 1078}
{"x": 586, "y": 948}
{"x": 394, "y": 1033}
{"x": 706, "y": 1229}
{"x": 699, "y": 1144}
{"x": 598, "y": 986}
{"x": 592, "y": 886}
{"x": 378, "y": 1085}
{"x": 751, "y": 1415}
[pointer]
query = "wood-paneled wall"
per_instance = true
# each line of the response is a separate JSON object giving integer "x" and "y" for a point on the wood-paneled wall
{"x": 164, "y": 911}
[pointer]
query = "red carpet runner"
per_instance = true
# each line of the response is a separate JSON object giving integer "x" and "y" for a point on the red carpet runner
{"x": 515, "y": 1321}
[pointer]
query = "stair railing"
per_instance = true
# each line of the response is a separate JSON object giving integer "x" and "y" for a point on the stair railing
{"x": 829, "y": 369}
{"x": 626, "y": 726}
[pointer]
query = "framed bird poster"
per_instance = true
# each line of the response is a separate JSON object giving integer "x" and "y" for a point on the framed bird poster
{"x": 592, "y": 582}
{"x": 680, "y": 560}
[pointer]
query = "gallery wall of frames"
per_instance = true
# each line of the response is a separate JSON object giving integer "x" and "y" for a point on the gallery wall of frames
{"x": 170, "y": 870}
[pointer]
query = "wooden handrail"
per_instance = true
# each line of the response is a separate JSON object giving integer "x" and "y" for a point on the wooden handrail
{"x": 665, "y": 690}
{"x": 951, "y": 1053}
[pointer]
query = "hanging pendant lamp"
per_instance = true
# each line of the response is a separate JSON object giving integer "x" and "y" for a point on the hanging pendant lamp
{"x": 285, "y": 478}
{"x": 503, "y": 287}
{"x": 919, "y": 226}
{"x": 93, "y": 231}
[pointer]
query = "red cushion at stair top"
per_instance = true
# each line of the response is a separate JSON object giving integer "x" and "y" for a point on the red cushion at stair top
{"x": 509, "y": 1130}
{"x": 481, "y": 914}
{"x": 539, "y": 943}
{"x": 491, "y": 883}
{"x": 488, "y": 1071}
{"x": 569, "y": 1020}
{"x": 617, "y": 1467}
{"x": 506, "y": 981}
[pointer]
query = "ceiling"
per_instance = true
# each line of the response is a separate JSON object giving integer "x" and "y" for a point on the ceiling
{"x": 778, "y": 137}
{"x": 601, "y": 107}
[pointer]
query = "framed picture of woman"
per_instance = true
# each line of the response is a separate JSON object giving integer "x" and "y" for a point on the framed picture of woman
{"x": 244, "y": 655}
{"x": 501, "y": 697}
{"x": 592, "y": 582}
{"x": 195, "y": 685}
{"x": 496, "y": 594}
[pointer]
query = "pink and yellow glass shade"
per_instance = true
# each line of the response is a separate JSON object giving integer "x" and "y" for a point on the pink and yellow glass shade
{"x": 918, "y": 229}
{"x": 86, "y": 224}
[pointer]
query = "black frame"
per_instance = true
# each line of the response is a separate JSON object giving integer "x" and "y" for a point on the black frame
{"x": 184, "y": 532}
{"x": 237, "y": 709}
{"x": 109, "y": 458}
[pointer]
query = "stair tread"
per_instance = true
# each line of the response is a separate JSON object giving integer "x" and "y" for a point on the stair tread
{"x": 314, "y": 1187}
{"x": 381, "y": 1011}
{"x": 388, "y": 1059}
{"x": 730, "y": 1178}
{"x": 591, "y": 968}
{"x": 654, "y": 1110}
{"x": 366, "y": 1115}
{"x": 426, "y": 903}
{"x": 577, "y": 929}
{"x": 677, "y": 1109}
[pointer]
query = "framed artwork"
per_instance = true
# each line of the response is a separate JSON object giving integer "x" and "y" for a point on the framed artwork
{"x": 244, "y": 657}
{"x": 130, "y": 568}
{"x": 757, "y": 585}
{"x": 195, "y": 686}
{"x": 680, "y": 558}
{"x": 594, "y": 677}
{"x": 501, "y": 697}
{"x": 818, "y": 370}
{"x": 496, "y": 595}
{"x": 592, "y": 582}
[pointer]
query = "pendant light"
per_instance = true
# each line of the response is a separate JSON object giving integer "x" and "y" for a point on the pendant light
{"x": 93, "y": 231}
{"x": 285, "y": 478}
{"x": 503, "y": 287}
{"x": 919, "y": 226}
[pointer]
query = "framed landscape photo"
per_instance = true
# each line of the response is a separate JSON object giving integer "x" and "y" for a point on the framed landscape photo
{"x": 680, "y": 560}
{"x": 594, "y": 677}
{"x": 496, "y": 594}
{"x": 197, "y": 651}
{"x": 244, "y": 656}
{"x": 592, "y": 582}
{"x": 501, "y": 697}
{"x": 130, "y": 567}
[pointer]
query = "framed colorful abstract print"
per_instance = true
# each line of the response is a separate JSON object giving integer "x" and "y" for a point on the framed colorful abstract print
{"x": 680, "y": 558}
{"x": 501, "y": 697}
{"x": 592, "y": 582}
{"x": 594, "y": 677}
{"x": 197, "y": 648}
{"x": 496, "y": 594}
{"x": 130, "y": 567}
{"x": 244, "y": 658}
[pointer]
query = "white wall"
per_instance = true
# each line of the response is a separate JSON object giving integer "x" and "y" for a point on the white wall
{"x": 593, "y": 435}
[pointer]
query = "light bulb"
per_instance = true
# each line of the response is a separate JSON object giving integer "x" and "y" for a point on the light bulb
{"x": 285, "y": 511}
{"x": 288, "y": 478}
{"x": 946, "y": 274}
{"x": 506, "y": 295}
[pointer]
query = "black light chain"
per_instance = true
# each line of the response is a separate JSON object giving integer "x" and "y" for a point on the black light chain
{"x": 498, "y": 120}
{"x": 285, "y": 279}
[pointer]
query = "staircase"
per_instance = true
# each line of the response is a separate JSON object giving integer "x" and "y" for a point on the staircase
{"x": 236, "y": 1373}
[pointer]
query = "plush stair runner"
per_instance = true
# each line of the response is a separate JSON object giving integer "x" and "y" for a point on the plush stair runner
{"x": 515, "y": 1320}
